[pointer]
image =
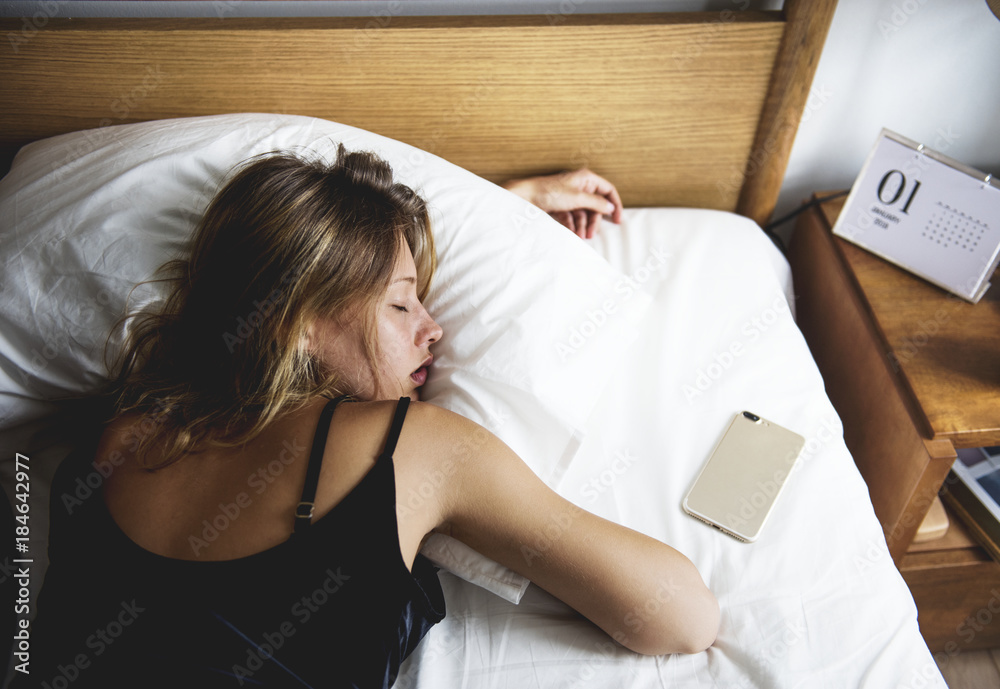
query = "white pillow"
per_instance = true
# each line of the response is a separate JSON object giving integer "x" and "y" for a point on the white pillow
{"x": 531, "y": 315}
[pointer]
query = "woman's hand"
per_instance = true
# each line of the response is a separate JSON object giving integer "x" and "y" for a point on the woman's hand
{"x": 576, "y": 199}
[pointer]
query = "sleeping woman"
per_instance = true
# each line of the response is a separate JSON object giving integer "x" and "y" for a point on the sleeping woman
{"x": 266, "y": 418}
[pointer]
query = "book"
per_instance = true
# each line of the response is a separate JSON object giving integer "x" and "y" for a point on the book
{"x": 974, "y": 483}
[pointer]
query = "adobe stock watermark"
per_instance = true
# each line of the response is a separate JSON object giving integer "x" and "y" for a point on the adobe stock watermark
{"x": 97, "y": 644}
{"x": 927, "y": 676}
{"x": 90, "y": 140}
{"x": 91, "y": 306}
{"x": 263, "y": 309}
{"x": 382, "y": 19}
{"x": 818, "y": 97}
{"x": 877, "y": 549}
{"x": 566, "y": 9}
{"x": 637, "y": 618}
{"x": 302, "y": 610}
{"x": 465, "y": 449}
{"x": 604, "y": 649}
{"x": 90, "y": 484}
{"x": 696, "y": 47}
{"x": 597, "y": 317}
{"x": 723, "y": 360}
{"x": 441, "y": 641}
{"x": 461, "y": 112}
{"x": 259, "y": 481}
{"x": 779, "y": 645}
{"x": 969, "y": 628}
{"x": 246, "y": 326}
{"x": 40, "y": 358}
{"x": 764, "y": 490}
{"x": 610, "y": 133}
{"x": 559, "y": 523}
{"x": 900, "y": 14}
{"x": 733, "y": 182}
{"x": 418, "y": 154}
{"x": 47, "y": 9}
{"x": 759, "y": 157}
{"x": 620, "y": 463}
{"x": 910, "y": 346}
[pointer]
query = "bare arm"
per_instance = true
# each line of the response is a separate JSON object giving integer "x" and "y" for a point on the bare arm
{"x": 643, "y": 593}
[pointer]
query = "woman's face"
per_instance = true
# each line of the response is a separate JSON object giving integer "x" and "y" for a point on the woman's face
{"x": 405, "y": 334}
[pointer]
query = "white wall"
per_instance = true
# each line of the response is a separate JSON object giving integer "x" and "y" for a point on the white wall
{"x": 927, "y": 69}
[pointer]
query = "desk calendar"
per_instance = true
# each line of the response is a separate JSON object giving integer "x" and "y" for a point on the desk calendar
{"x": 927, "y": 213}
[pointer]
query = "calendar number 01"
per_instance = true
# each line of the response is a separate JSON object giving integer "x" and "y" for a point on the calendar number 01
{"x": 887, "y": 180}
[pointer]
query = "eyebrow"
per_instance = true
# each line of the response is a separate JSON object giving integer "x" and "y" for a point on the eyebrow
{"x": 406, "y": 279}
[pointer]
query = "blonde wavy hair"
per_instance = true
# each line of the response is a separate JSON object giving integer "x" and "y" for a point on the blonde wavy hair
{"x": 286, "y": 240}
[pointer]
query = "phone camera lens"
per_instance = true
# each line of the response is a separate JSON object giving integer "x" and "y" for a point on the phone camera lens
{"x": 752, "y": 417}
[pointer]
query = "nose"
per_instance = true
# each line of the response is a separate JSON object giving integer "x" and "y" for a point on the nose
{"x": 430, "y": 332}
{"x": 434, "y": 332}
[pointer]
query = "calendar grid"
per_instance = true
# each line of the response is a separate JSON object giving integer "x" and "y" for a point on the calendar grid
{"x": 927, "y": 213}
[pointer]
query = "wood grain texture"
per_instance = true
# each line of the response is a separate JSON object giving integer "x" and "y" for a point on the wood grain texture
{"x": 982, "y": 537}
{"x": 956, "y": 595}
{"x": 902, "y": 471}
{"x": 954, "y": 581}
{"x": 808, "y": 22}
{"x": 945, "y": 350}
{"x": 665, "y": 105}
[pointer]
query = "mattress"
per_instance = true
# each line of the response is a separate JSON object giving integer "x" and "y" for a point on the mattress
{"x": 816, "y": 601}
{"x": 611, "y": 366}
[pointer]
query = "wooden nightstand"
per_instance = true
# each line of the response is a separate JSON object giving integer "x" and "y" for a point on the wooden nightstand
{"x": 914, "y": 373}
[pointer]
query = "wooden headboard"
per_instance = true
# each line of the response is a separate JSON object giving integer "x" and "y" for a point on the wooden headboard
{"x": 683, "y": 109}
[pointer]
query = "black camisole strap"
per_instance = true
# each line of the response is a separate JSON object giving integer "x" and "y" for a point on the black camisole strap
{"x": 304, "y": 510}
{"x": 397, "y": 426}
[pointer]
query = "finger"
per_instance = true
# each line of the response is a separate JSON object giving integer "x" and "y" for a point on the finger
{"x": 580, "y": 221}
{"x": 565, "y": 218}
{"x": 592, "y": 182}
{"x": 593, "y": 224}
{"x": 616, "y": 201}
{"x": 570, "y": 221}
{"x": 566, "y": 200}
{"x": 562, "y": 217}
{"x": 608, "y": 191}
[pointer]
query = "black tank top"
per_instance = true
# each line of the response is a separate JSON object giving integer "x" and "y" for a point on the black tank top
{"x": 333, "y": 606}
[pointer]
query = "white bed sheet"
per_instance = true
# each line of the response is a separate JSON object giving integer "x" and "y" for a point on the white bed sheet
{"x": 815, "y": 602}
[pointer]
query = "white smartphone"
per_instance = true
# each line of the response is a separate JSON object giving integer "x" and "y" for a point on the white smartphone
{"x": 744, "y": 476}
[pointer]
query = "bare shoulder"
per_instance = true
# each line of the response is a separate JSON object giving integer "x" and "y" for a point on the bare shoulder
{"x": 442, "y": 425}
{"x": 429, "y": 435}
{"x": 425, "y": 424}
{"x": 436, "y": 439}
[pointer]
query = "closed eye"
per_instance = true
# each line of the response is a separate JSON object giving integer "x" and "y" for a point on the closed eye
{"x": 400, "y": 308}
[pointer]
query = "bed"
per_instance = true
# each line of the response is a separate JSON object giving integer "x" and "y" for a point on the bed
{"x": 612, "y": 366}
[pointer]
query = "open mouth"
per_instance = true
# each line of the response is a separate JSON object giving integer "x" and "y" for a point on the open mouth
{"x": 420, "y": 375}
